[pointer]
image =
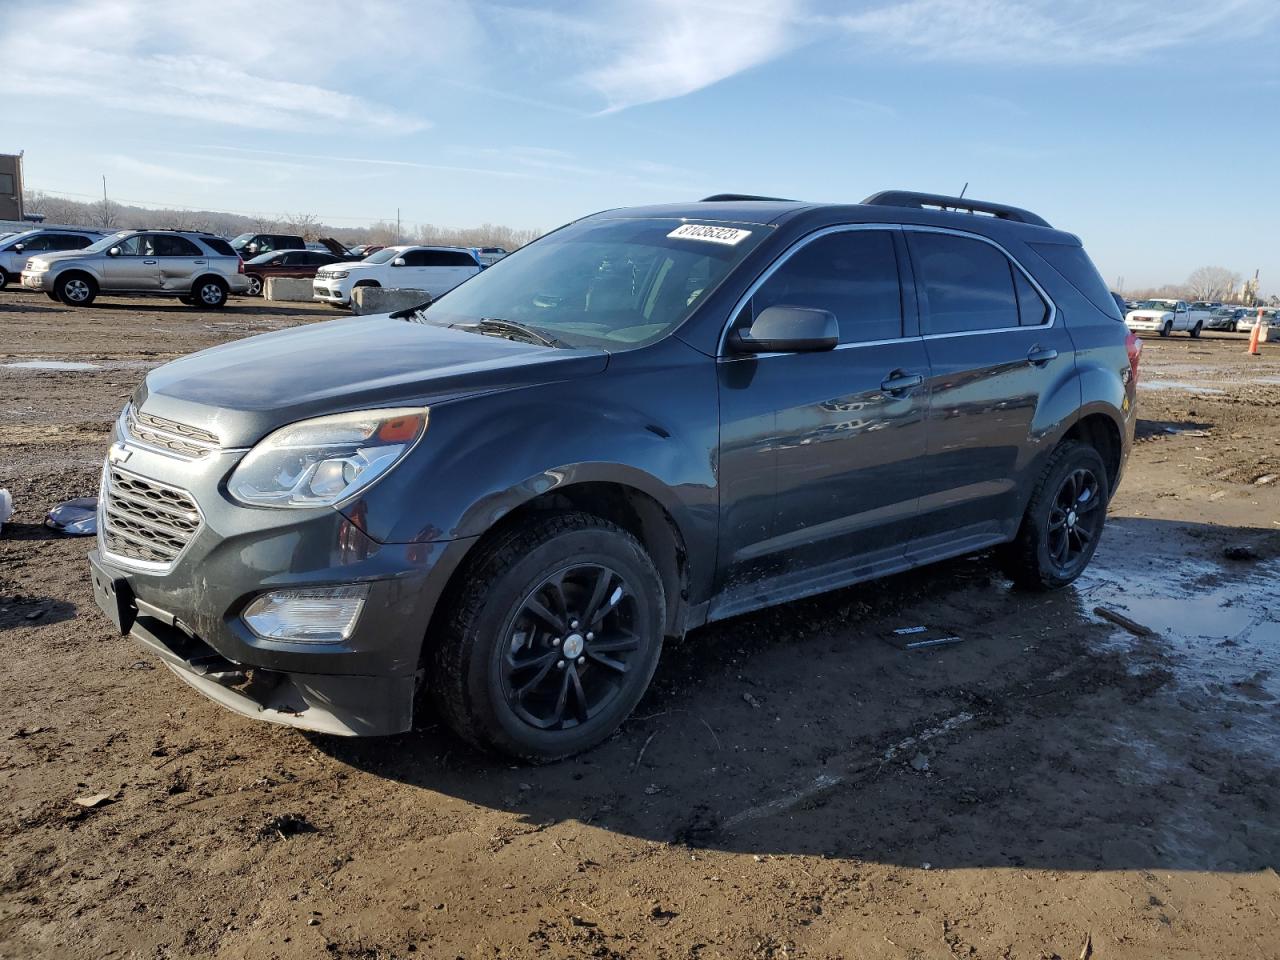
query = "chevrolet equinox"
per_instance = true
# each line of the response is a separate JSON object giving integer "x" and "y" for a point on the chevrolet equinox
{"x": 647, "y": 420}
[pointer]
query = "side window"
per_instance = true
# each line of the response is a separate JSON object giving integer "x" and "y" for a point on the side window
{"x": 75, "y": 242}
{"x": 290, "y": 259}
{"x": 417, "y": 258}
{"x": 265, "y": 244}
{"x": 964, "y": 284}
{"x": 457, "y": 258}
{"x": 1032, "y": 310}
{"x": 37, "y": 244}
{"x": 131, "y": 246}
{"x": 219, "y": 246}
{"x": 852, "y": 273}
{"x": 171, "y": 246}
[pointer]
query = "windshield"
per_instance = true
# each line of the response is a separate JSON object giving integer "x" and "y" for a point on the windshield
{"x": 13, "y": 238}
{"x": 610, "y": 283}
{"x": 1156, "y": 305}
{"x": 383, "y": 255}
{"x": 106, "y": 243}
{"x": 241, "y": 240}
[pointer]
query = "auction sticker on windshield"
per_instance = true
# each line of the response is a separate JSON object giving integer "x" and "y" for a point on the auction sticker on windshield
{"x": 699, "y": 231}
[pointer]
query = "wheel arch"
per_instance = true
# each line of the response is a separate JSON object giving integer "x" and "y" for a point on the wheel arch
{"x": 205, "y": 277}
{"x": 628, "y": 506}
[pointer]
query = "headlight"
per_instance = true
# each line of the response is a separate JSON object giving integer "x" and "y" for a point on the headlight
{"x": 37, "y": 266}
{"x": 336, "y": 275}
{"x": 322, "y": 462}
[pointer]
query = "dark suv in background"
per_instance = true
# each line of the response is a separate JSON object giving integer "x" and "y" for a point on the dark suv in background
{"x": 647, "y": 420}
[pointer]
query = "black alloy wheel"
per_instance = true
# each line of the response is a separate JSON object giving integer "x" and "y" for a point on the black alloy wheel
{"x": 570, "y": 647}
{"x": 1075, "y": 520}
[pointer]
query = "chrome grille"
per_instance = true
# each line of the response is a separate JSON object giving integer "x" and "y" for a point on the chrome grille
{"x": 145, "y": 521}
{"x": 190, "y": 443}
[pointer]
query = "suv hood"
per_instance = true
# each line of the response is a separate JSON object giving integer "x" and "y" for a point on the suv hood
{"x": 1150, "y": 314}
{"x": 51, "y": 256}
{"x": 241, "y": 391}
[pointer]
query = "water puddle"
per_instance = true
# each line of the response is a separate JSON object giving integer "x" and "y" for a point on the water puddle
{"x": 1176, "y": 385}
{"x": 50, "y": 365}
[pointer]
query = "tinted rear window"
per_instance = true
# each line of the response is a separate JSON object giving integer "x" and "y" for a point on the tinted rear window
{"x": 1074, "y": 264}
{"x": 218, "y": 245}
{"x": 965, "y": 285}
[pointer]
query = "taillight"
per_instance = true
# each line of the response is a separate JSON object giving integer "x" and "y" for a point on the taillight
{"x": 239, "y": 265}
{"x": 1133, "y": 346}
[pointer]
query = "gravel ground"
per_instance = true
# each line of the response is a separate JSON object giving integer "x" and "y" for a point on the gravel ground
{"x": 792, "y": 786}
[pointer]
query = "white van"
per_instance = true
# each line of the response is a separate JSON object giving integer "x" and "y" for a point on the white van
{"x": 435, "y": 270}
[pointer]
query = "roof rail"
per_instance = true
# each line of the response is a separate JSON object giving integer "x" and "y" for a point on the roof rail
{"x": 921, "y": 201}
{"x": 729, "y": 197}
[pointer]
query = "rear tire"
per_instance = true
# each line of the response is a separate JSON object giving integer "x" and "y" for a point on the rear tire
{"x": 209, "y": 292}
{"x": 256, "y": 286}
{"x": 76, "y": 289}
{"x": 552, "y": 639}
{"x": 1063, "y": 521}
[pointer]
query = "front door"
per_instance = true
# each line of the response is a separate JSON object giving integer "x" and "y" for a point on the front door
{"x": 135, "y": 267}
{"x": 821, "y": 453}
{"x": 997, "y": 354}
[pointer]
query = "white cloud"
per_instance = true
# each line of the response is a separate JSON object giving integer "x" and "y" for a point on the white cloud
{"x": 644, "y": 52}
{"x": 245, "y": 65}
{"x": 159, "y": 171}
{"x": 1053, "y": 31}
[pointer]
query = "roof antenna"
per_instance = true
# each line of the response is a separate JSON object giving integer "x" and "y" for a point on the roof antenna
{"x": 966, "y": 187}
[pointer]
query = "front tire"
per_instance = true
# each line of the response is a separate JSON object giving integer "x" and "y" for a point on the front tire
{"x": 1166, "y": 329}
{"x": 76, "y": 289}
{"x": 1195, "y": 331}
{"x": 4, "y": 278}
{"x": 1063, "y": 522}
{"x": 552, "y": 640}
{"x": 209, "y": 292}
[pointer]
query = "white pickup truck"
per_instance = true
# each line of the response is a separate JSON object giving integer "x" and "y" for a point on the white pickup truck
{"x": 1166, "y": 316}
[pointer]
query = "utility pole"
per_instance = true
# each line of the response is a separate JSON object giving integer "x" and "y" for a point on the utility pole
{"x": 104, "y": 191}
{"x": 399, "y": 237}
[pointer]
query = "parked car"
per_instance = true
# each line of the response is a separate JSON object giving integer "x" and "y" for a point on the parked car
{"x": 1164, "y": 317}
{"x": 363, "y": 250}
{"x": 436, "y": 270}
{"x": 1250, "y": 319}
{"x": 250, "y": 245}
{"x": 301, "y": 264}
{"x": 198, "y": 268}
{"x": 16, "y": 249}
{"x": 488, "y": 256}
{"x": 1224, "y": 318}
{"x": 644, "y": 421}
{"x": 1205, "y": 306}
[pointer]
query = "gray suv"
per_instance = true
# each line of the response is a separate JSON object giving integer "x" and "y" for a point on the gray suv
{"x": 199, "y": 269}
{"x": 647, "y": 420}
{"x": 17, "y": 249}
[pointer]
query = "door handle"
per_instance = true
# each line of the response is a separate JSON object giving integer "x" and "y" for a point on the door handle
{"x": 152, "y": 262}
{"x": 200, "y": 262}
{"x": 1038, "y": 357}
{"x": 900, "y": 380}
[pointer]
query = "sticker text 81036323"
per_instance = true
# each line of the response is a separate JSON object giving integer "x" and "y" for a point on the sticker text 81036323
{"x": 701, "y": 231}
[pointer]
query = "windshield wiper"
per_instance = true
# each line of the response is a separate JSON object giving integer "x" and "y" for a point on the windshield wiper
{"x": 497, "y": 325}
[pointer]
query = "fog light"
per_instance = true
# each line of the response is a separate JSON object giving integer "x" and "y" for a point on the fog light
{"x": 316, "y": 615}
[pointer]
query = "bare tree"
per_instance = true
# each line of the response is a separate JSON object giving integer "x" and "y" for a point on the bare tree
{"x": 1212, "y": 283}
{"x": 105, "y": 214}
{"x": 305, "y": 224}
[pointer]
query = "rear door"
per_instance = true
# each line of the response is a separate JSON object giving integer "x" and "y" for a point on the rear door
{"x": 822, "y": 453}
{"x": 180, "y": 261}
{"x": 996, "y": 351}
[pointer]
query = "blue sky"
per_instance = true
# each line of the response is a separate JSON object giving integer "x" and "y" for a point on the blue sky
{"x": 1149, "y": 127}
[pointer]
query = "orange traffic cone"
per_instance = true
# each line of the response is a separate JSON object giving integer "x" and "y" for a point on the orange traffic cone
{"x": 1253, "y": 337}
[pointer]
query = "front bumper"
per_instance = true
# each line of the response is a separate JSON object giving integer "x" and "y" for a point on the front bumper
{"x": 37, "y": 281}
{"x": 1146, "y": 324}
{"x": 330, "y": 291}
{"x": 188, "y": 612}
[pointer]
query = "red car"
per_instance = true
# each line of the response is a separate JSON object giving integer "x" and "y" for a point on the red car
{"x": 301, "y": 264}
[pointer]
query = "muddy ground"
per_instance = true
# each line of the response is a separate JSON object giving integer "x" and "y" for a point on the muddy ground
{"x": 793, "y": 785}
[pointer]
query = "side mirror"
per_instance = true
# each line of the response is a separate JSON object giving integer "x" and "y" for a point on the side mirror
{"x": 19, "y": 247}
{"x": 398, "y": 262}
{"x": 253, "y": 249}
{"x": 113, "y": 252}
{"x": 783, "y": 329}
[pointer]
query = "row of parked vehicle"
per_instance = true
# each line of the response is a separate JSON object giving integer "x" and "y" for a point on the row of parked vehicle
{"x": 1166, "y": 316}
{"x": 74, "y": 265}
